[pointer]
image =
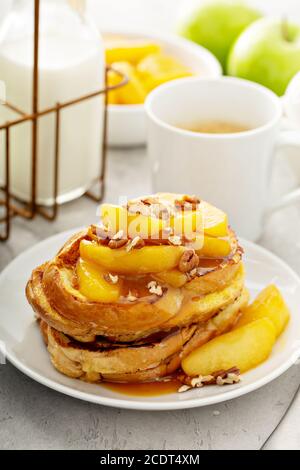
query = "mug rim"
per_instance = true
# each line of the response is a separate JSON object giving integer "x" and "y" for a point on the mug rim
{"x": 278, "y": 112}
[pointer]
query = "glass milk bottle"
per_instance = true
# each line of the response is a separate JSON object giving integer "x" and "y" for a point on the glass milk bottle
{"x": 71, "y": 64}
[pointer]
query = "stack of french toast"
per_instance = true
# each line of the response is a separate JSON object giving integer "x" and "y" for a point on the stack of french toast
{"x": 128, "y": 299}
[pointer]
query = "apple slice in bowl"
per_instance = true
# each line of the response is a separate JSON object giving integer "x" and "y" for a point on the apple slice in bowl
{"x": 127, "y": 122}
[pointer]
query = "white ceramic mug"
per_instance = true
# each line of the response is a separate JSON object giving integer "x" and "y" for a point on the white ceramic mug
{"x": 231, "y": 171}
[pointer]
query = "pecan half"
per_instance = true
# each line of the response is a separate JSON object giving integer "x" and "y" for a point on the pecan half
{"x": 188, "y": 261}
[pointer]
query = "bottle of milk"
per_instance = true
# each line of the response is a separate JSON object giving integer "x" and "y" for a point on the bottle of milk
{"x": 71, "y": 64}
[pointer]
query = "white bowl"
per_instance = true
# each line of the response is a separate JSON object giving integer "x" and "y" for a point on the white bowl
{"x": 127, "y": 123}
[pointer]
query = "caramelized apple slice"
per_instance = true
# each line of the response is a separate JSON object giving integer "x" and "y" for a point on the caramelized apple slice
{"x": 93, "y": 285}
{"x": 173, "y": 278}
{"x": 150, "y": 259}
{"x": 187, "y": 223}
{"x": 113, "y": 79}
{"x": 118, "y": 218}
{"x": 133, "y": 92}
{"x": 214, "y": 247}
{"x": 215, "y": 221}
{"x": 268, "y": 304}
{"x": 159, "y": 68}
{"x": 245, "y": 348}
{"x": 130, "y": 51}
{"x": 145, "y": 227}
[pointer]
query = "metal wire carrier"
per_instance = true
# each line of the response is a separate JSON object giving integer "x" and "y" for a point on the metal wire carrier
{"x": 11, "y": 205}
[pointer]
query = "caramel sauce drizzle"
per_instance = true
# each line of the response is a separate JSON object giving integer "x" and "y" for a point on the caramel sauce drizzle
{"x": 146, "y": 389}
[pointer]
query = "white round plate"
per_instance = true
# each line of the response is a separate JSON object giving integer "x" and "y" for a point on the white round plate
{"x": 21, "y": 339}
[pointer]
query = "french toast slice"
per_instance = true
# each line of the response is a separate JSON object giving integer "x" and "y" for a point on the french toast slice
{"x": 128, "y": 299}
{"x": 146, "y": 360}
{"x": 54, "y": 295}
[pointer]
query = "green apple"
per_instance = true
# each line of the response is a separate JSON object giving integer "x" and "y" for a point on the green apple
{"x": 216, "y": 24}
{"x": 268, "y": 52}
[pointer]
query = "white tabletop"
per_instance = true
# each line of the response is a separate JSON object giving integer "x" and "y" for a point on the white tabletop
{"x": 34, "y": 417}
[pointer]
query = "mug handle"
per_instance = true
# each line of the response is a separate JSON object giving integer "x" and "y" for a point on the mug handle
{"x": 288, "y": 138}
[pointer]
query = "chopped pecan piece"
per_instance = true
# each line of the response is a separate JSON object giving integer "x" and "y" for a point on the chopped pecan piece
{"x": 191, "y": 199}
{"x": 149, "y": 201}
{"x": 118, "y": 235}
{"x": 183, "y": 388}
{"x": 99, "y": 233}
{"x": 175, "y": 240}
{"x": 160, "y": 211}
{"x": 188, "y": 261}
{"x": 155, "y": 288}
{"x": 136, "y": 242}
{"x": 196, "y": 382}
{"x": 189, "y": 203}
{"x": 221, "y": 377}
{"x": 227, "y": 377}
{"x": 138, "y": 208}
{"x": 117, "y": 243}
{"x": 228, "y": 380}
{"x": 117, "y": 240}
{"x": 166, "y": 232}
{"x": 111, "y": 278}
{"x": 130, "y": 297}
{"x": 223, "y": 373}
{"x": 192, "y": 274}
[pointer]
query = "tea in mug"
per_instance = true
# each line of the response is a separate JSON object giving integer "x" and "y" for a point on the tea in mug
{"x": 216, "y": 127}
